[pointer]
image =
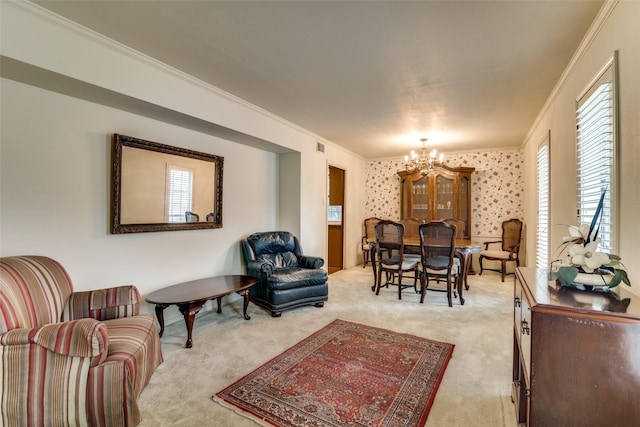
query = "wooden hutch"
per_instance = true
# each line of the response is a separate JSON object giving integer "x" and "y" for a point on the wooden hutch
{"x": 445, "y": 192}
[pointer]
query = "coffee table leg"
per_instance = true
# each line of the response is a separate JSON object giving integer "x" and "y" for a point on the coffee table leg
{"x": 189, "y": 312}
{"x": 160, "y": 315}
{"x": 219, "y": 307}
{"x": 245, "y": 294}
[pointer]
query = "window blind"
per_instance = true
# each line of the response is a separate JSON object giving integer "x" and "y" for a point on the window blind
{"x": 595, "y": 143}
{"x": 180, "y": 191}
{"x": 542, "y": 241}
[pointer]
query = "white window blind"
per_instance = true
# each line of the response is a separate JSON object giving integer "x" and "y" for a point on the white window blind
{"x": 542, "y": 231}
{"x": 595, "y": 155}
{"x": 180, "y": 191}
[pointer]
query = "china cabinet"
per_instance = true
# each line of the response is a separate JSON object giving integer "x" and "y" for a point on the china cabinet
{"x": 443, "y": 193}
{"x": 576, "y": 354}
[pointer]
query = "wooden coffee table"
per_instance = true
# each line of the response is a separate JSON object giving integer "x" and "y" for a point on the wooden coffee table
{"x": 191, "y": 296}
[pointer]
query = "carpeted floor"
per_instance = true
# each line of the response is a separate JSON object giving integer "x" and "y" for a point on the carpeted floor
{"x": 475, "y": 390}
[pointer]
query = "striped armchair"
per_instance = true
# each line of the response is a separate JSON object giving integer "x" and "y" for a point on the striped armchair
{"x": 70, "y": 358}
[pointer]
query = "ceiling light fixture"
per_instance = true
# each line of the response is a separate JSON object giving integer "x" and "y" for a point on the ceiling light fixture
{"x": 423, "y": 163}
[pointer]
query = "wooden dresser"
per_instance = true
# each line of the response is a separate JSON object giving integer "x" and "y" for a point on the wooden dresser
{"x": 576, "y": 354}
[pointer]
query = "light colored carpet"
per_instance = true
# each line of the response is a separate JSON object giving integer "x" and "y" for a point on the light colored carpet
{"x": 475, "y": 390}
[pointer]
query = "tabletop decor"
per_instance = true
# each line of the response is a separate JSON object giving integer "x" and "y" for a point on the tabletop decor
{"x": 345, "y": 374}
{"x": 584, "y": 267}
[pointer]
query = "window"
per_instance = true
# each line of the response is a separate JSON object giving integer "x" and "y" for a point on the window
{"x": 542, "y": 229}
{"x": 180, "y": 189}
{"x": 596, "y": 140}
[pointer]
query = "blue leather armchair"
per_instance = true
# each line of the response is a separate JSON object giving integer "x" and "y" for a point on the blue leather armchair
{"x": 286, "y": 277}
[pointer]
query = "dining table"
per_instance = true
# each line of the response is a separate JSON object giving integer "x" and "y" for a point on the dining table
{"x": 465, "y": 248}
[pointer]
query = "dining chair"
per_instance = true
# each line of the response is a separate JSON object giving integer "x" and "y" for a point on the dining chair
{"x": 368, "y": 239}
{"x": 191, "y": 217}
{"x": 509, "y": 247}
{"x": 390, "y": 257}
{"x": 460, "y": 227}
{"x": 411, "y": 231}
{"x": 410, "y": 226}
{"x": 438, "y": 260}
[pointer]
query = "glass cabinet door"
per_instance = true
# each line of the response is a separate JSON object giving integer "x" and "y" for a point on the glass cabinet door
{"x": 444, "y": 197}
{"x": 442, "y": 194}
{"x": 420, "y": 198}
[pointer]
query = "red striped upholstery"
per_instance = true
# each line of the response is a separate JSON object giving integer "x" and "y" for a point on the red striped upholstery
{"x": 23, "y": 305}
{"x": 103, "y": 304}
{"x": 84, "y": 371}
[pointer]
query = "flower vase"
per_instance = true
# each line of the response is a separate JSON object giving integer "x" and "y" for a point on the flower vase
{"x": 593, "y": 279}
{"x": 571, "y": 277}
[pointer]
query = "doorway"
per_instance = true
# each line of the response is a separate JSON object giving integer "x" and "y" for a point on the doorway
{"x": 335, "y": 216}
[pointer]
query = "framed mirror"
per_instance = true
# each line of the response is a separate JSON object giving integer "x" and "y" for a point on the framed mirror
{"x": 157, "y": 187}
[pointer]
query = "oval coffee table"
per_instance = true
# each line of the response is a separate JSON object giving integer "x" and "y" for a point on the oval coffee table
{"x": 191, "y": 296}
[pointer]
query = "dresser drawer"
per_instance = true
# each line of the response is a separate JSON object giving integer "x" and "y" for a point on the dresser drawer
{"x": 522, "y": 322}
{"x": 524, "y": 328}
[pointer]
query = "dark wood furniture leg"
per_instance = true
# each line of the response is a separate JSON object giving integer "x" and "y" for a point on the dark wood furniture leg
{"x": 466, "y": 264}
{"x": 458, "y": 284}
{"x": 219, "y": 299}
{"x": 374, "y": 267}
{"x": 245, "y": 294}
{"x": 160, "y": 315}
{"x": 189, "y": 312}
{"x": 462, "y": 277}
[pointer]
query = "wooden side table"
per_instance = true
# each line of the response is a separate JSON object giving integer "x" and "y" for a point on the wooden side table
{"x": 191, "y": 296}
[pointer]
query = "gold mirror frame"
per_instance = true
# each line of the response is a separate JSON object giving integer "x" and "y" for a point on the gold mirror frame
{"x": 117, "y": 227}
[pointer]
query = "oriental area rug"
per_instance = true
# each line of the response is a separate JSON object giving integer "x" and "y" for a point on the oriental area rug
{"x": 346, "y": 374}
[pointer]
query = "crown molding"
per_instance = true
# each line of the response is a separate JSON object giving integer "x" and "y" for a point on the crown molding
{"x": 593, "y": 31}
{"x": 84, "y": 32}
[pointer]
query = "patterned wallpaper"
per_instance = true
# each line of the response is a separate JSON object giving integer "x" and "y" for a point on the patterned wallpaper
{"x": 496, "y": 188}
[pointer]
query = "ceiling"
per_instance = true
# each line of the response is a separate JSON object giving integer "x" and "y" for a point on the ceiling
{"x": 371, "y": 76}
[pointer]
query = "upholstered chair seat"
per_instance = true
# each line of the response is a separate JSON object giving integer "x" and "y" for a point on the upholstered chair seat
{"x": 442, "y": 262}
{"x": 499, "y": 255}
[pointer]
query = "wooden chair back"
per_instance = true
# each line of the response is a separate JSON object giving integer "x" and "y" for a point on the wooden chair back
{"x": 459, "y": 224}
{"x": 511, "y": 235}
{"x": 389, "y": 240}
{"x": 437, "y": 246}
{"x": 369, "y": 228}
{"x": 411, "y": 226}
{"x": 191, "y": 217}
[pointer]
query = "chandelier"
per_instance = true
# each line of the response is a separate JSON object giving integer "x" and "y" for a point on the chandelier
{"x": 423, "y": 163}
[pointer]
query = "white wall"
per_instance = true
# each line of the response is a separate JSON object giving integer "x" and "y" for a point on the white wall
{"x": 55, "y": 178}
{"x": 620, "y": 31}
{"x": 55, "y": 159}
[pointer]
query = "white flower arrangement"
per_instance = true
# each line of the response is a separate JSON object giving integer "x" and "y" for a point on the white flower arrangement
{"x": 582, "y": 257}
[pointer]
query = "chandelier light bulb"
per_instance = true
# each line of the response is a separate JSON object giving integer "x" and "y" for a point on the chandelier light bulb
{"x": 423, "y": 163}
